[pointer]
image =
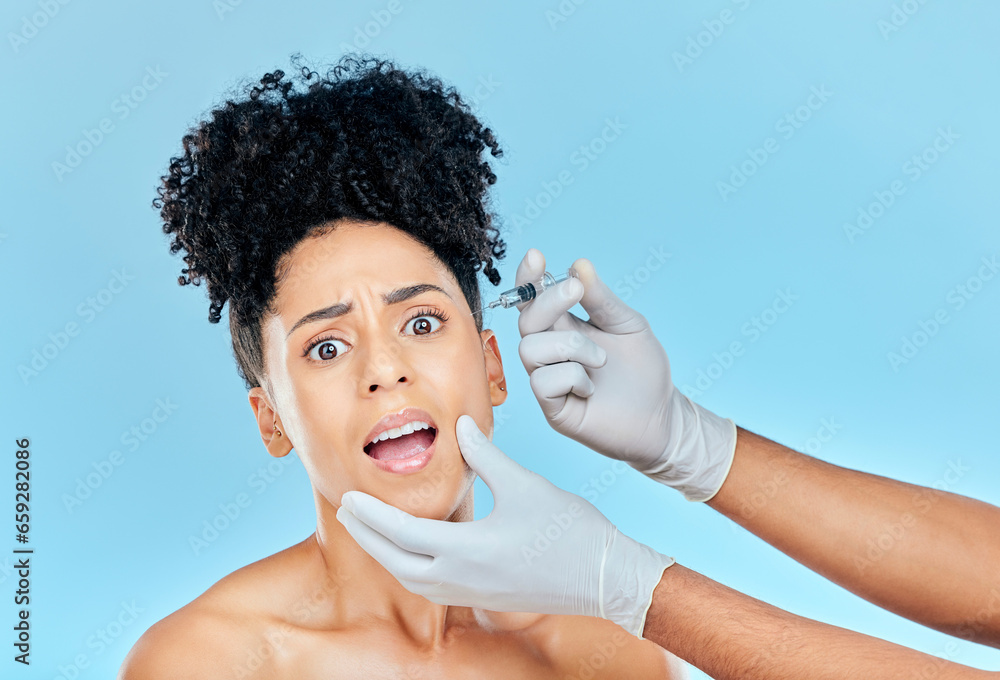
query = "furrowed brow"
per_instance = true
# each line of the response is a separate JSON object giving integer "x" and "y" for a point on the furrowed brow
{"x": 391, "y": 298}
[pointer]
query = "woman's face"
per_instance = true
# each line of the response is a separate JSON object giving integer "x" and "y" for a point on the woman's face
{"x": 335, "y": 376}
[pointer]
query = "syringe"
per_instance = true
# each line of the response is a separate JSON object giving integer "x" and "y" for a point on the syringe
{"x": 529, "y": 291}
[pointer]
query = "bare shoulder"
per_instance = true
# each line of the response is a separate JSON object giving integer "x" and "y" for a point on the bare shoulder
{"x": 192, "y": 643}
{"x": 216, "y": 634}
{"x": 589, "y": 647}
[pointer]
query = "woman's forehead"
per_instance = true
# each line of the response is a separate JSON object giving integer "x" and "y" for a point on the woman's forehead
{"x": 357, "y": 262}
{"x": 374, "y": 249}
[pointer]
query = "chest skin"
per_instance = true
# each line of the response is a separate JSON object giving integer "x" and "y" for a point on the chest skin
{"x": 565, "y": 647}
{"x": 281, "y": 618}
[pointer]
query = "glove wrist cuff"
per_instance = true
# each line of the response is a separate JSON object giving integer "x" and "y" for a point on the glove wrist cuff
{"x": 701, "y": 450}
{"x": 629, "y": 574}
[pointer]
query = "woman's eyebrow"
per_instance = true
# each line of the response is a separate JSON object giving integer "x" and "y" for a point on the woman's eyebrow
{"x": 340, "y": 308}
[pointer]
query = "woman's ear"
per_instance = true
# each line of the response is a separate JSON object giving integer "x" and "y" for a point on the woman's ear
{"x": 272, "y": 432}
{"x": 494, "y": 367}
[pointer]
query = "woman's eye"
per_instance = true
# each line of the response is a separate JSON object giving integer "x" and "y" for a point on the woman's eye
{"x": 325, "y": 350}
{"x": 422, "y": 324}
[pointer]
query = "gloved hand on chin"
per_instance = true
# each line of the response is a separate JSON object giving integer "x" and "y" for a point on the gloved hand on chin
{"x": 540, "y": 550}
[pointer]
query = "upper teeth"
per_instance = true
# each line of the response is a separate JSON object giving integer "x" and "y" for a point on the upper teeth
{"x": 396, "y": 432}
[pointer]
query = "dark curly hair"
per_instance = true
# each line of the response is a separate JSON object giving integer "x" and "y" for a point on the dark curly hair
{"x": 368, "y": 142}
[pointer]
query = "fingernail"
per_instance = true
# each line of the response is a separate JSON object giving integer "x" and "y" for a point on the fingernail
{"x": 570, "y": 288}
{"x": 475, "y": 435}
{"x": 472, "y": 431}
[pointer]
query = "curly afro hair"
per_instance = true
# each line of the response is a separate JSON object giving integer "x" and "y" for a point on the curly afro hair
{"x": 367, "y": 142}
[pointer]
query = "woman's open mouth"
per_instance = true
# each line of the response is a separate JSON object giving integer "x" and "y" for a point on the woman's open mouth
{"x": 404, "y": 453}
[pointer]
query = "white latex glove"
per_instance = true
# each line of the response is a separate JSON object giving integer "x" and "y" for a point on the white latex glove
{"x": 606, "y": 383}
{"x": 541, "y": 549}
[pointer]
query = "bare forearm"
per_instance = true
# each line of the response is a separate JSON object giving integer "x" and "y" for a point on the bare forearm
{"x": 730, "y": 635}
{"x": 928, "y": 555}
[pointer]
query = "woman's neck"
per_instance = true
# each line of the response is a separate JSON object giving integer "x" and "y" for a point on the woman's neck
{"x": 358, "y": 589}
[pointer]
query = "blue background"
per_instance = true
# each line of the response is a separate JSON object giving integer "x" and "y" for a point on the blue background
{"x": 547, "y": 83}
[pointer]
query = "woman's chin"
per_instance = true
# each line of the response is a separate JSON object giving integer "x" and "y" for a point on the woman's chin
{"x": 439, "y": 496}
{"x": 447, "y": 506}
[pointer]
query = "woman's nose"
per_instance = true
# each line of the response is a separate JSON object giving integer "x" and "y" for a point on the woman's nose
{"x": 386, "y": 365}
